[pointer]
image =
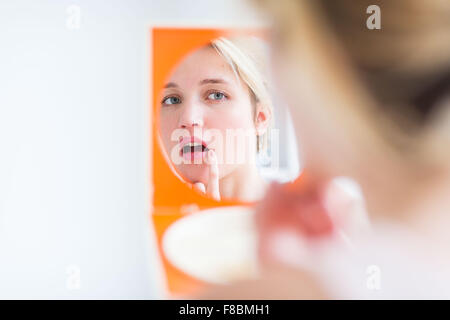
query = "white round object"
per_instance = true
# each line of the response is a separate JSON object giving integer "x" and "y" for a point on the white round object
{"x": 216, "y": 245}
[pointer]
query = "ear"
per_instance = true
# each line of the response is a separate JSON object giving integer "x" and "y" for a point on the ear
{"x": 262, "y": 120}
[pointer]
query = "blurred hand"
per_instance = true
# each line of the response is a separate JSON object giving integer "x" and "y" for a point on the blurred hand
{"x": 293, "y": 216}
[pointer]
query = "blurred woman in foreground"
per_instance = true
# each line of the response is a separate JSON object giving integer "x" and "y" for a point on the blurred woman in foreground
{"x": 373, "y": 105}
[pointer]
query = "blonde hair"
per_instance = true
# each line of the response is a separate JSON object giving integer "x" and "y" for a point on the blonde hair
{"x": 248, "y": 58}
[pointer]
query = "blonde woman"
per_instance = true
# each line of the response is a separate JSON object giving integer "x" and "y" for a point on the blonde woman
{"x": 215, "y": 116}
{"x": 373, "y": 105}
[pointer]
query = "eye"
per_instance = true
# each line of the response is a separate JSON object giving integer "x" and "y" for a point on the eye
{"x": 216, "y": 96}
{"x": 171, "y": 100}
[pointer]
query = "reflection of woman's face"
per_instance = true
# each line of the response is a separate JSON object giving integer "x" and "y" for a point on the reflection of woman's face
{"x": 204, "y": 95}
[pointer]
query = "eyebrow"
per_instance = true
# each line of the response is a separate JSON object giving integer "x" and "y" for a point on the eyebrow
{"x": 203, "y": 82}
{"x": 170, "y": 85}
{"x": 207, "y": 81}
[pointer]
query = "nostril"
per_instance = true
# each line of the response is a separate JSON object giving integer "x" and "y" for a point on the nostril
{"x": 190, "y": 123}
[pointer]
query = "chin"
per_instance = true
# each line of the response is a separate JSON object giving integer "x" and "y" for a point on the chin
{"x": 193, "y": 173}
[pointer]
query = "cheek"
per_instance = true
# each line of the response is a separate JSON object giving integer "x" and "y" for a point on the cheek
{"x": 237, "y": 141}
{"x": 233, "y": 116}
{"x": 167, "y": 125}
{"x": 235, "y": 125}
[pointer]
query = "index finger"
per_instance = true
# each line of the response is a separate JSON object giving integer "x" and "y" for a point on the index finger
{"x": 212, "y": 189}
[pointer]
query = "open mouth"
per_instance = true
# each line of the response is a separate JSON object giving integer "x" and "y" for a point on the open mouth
{"x": 192, "y": 148}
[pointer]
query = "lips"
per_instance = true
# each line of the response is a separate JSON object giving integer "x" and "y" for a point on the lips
{"x": 192, "y": 148}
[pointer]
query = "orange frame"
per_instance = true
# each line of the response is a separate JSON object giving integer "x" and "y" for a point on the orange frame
{"x": 170, "y": 194}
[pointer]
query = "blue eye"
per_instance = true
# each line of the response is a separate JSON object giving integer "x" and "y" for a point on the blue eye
{"x": 216, "y": 96}
{"x": 171, "y": 100}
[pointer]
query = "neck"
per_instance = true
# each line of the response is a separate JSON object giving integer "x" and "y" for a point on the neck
{"x": 244, "y": 184}
{"x": 430, "y": 216}
{"x": 424, "y": 222}
{"x": 413, "y": 197}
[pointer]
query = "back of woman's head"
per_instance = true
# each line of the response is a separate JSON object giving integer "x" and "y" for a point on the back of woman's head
{"x": 404, "y": 66}
{"x": 406, "y": 63}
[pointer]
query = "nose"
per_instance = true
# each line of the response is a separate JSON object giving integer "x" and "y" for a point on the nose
{"x": 191, "y": 116}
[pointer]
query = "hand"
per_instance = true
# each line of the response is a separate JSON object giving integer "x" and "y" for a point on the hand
{"x": 212, "y": 187}
{"x": 293, "y": 215}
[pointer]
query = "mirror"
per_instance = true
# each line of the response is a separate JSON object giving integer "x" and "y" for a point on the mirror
{"x": 222, "y": 130}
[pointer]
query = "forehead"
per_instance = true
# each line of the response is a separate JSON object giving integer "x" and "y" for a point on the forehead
{"x": 203, "y": 63}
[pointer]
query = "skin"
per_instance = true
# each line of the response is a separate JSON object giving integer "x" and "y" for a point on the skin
{"x": 331, "y": 108}
{"x": 204, "y": 95}
{"x": 327, "y": 102}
